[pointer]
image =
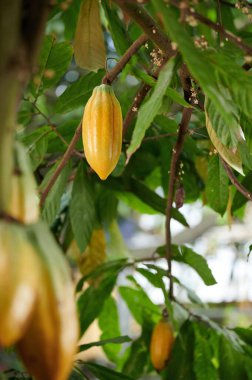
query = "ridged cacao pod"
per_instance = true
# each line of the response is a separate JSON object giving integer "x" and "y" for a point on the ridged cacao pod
{"x": 102, "y": 130}
{"x": 18, "y": 282}
{"x": 24, "y": 201}
{"x": 49, "y": 344}
{"x": 161, "y": 344}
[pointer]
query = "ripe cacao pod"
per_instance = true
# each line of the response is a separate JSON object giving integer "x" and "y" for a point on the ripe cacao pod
{"x": 49, "y": 344}
{"x": 18, "y": 282}
{"x": 102, "y": 130}
{"x": 161, "y": 344}
{"x": 24, "y": 201}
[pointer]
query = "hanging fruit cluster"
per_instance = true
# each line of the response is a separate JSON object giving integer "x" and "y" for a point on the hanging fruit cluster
{"x": 102, "y": 130}
{"x": 37, "y": 307}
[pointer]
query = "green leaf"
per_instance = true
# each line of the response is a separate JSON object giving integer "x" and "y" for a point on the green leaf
{"x": 197, "y": 62}
{"x": 89, "y": 47}
{"x": 91, "y": 301}
{"x": 104, "y": 373}
{"x": 37, "y": 144}
{"x": 52, "y": 203}
{"x": 117, "y": 340}
{"x": 229, "y": 135}
{"x": 78, "y": 93}
{"x": 248, "y": 367}
{"x": 110, "y": 326}
{"x": 65, "y": 129}
{"x": 139, "y": 304}
{"x": 154, "y": 200}
{"x": 231, "y": 362}
{"x": 150, "y": 108}
{"x": 70, "y": 18}
{"x": 245, "y": 334}
{"x": 180, "y": 366}
{"x": 25, "y": 112}
{"x": 137, "y": 359}
{"x": 239, "y": 199}
{"x": 156, "y": 279}
{"x": 217, "y": 186}
{"x": 82, "y": 209}
{"x": 197, "y": 262}
{"x": 234, "y": 78}
{"x": 193, "y": 297}
{"x": 114, "y": 266}
{"x": 177, "y": 98}
{"x": 107, "y": 205}
{"x": 116, "y": 28}
{"x": 77, "y": 374}
{"x": 204, "y": 356}
{"x": 245, "y": 154}
{"x": 53, "y": 63}
{"x": 144, "y": 77}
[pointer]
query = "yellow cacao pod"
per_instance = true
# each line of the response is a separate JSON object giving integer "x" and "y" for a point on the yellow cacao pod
{"x": 102, "y": 130}
{"x": 18, "y": 282}
{"x": 93, "y": 256}
{"x": 50, "y": 341}
{"x": 24, "y": 201}
{"x": 161, "y": 344}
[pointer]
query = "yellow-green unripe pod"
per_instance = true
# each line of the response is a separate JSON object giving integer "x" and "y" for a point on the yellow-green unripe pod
{"x": 102, "y": 130}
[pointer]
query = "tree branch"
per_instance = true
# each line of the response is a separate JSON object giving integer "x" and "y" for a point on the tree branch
{"x": 148, "y": 24}
{"x": 247, "y": 194}
{"x": 112, "y": 74}
{"x": 233, "y": 4}
{"x": 215, "y": 26}
{"x": 138, "y": 99}
{"x": 62, "y": 164}
{"x": 176, "y": 151}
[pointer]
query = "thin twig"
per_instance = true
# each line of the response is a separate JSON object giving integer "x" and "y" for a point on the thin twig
{"x": 215, "y": 26}
{"x": 157, "y": 137}
{"x": 112, "y": 74}
{"x": 52, "y": 126}
{"x": 132, "y": 111}
{"x": 69, "y": 152}
{"x": 187, "y": 112}
{"x": 247, "y": 194}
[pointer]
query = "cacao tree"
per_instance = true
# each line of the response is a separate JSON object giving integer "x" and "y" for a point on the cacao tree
{"x": 165, "y": 90}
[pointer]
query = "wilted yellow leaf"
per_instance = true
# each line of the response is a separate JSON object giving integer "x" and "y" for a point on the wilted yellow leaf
{"x": 231, "y": 156}
{"x": 89, "y": 47}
